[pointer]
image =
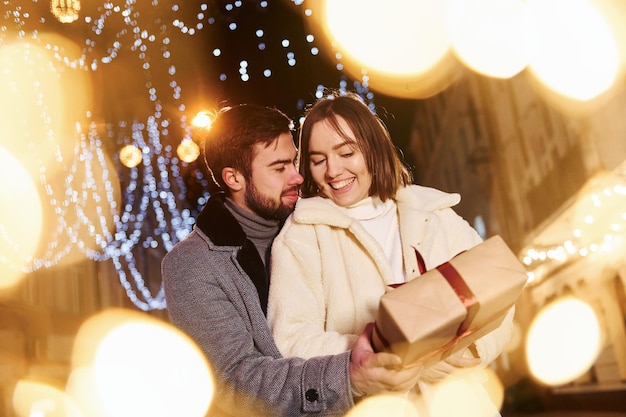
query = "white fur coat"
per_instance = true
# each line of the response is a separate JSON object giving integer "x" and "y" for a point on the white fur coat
{"x": 328, "y": 273}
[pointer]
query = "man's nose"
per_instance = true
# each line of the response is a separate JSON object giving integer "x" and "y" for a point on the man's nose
{"x": 295, "y": 178}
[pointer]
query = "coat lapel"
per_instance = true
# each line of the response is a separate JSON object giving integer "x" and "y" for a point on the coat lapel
{"x": 219, "y": 225}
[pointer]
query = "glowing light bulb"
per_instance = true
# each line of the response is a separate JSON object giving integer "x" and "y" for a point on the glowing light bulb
{"x": 130, "y": 156}
{"x": 188, "y": 151}
{"x": 66, "y": 11}
{"x": 563, "y": 341}
{"x": 203, "y": 120}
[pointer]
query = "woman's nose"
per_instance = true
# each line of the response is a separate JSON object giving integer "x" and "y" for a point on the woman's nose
{"x": 333, "y": 167}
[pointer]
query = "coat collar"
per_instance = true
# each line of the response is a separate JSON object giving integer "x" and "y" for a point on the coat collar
{"x": 416, "y": 207}
{"x": 218, "y": 223}
{"x": 413, "y": 198}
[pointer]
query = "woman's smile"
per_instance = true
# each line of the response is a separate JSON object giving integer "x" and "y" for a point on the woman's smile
{"x": 337, "y": 166}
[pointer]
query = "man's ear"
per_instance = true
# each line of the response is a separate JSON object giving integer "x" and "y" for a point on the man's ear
{"x": 233, "y": 178}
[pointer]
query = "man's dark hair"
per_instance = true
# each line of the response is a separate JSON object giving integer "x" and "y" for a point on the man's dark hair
{"x": 231, "y": 139}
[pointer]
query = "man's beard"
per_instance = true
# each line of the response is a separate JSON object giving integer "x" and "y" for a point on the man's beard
{"x": 266, "y": 207}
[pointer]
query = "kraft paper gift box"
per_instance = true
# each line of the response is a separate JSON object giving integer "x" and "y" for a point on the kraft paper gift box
{"x": 449, "y": 307}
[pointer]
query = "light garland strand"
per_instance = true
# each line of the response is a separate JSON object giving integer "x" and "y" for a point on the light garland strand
{"x": 153, "y": 212}
{"x": 597, "y": 222}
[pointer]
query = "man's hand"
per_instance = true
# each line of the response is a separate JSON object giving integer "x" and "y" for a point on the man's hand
{"x": 373, "y": 373}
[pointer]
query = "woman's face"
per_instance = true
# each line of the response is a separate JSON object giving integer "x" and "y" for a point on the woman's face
{"x": 338, "y": 168}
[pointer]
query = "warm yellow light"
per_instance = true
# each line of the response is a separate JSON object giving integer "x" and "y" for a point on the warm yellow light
{"x": 476, "y": 393}
{"x": 390, "y": 36}
{"x": 202, "y": 120}
{"x": 33, "y": 399}
{"x": 401, "y": 47}
{"x": 130, "y": 156}
{"x": 563, "y": 341}
{"x": 121, "y": 354}
{"x": 41, "y": 101}
{"x": 66, "y": 11}
{"x": 399, "y": 405}
{"x": 571, "y": 48}
{"x": 188, "y": 150}
{"x": 488, "y": 35}
{"x": 596, "y": 222}
{"x": 21, "y": 217}
{"x": 81, "y": 387}
{"x": 131, "y": 383}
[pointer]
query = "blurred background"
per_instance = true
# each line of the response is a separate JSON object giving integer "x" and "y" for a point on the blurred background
{"x": 518, "y": 105}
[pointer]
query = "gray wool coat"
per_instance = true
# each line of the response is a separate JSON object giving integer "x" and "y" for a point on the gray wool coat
{"x": 216, "y": 292}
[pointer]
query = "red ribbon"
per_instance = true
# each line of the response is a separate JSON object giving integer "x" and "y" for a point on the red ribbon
{"x": 465, "y": 294}
{"x": 462, "y": 291}
{"x": 459, "y": 286}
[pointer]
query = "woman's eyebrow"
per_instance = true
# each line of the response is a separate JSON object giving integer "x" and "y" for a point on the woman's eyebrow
{"x": 334, "y": 148}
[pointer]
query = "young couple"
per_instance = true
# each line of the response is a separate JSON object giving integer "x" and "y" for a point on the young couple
{"x": 300, "y": 345}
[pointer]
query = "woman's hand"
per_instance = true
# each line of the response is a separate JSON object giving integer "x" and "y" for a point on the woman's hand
{"x": 373, "y": 373}
{"x": 458, "y": 360}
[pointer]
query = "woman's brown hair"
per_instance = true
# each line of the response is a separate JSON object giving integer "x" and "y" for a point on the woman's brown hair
{"x": 371, "y": 137}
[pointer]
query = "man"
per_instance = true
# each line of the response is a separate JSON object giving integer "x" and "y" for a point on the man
{"x": 216, "y": 282}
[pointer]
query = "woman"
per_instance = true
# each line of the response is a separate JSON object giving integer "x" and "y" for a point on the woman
{"x": 360, "y": 226}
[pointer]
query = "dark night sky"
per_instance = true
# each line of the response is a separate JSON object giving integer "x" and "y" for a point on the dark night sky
{"x": 120, "y": 87}
{"x": 289, "y": 88}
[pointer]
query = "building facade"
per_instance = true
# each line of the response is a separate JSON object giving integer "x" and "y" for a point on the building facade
{"x": 525, "y": 167}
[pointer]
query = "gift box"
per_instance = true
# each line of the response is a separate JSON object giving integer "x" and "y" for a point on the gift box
{"x": 449, "y": 307}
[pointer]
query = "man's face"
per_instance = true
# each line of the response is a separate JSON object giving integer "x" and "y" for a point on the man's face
{"x": 272, "y": 190}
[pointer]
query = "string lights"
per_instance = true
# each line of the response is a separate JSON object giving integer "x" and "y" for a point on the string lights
{"x": 594, "y": 225}
{"x": 123, "y": 192}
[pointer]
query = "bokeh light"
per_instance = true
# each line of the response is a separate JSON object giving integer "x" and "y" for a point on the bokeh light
{"x": 130, "y": 156}
{"x": 81, "y": 387}
{"x": 402, "y": 47}
{"x": 36, "y": 399}
{"x": 387, "y": 37}
{"x": 392, "y": 405}
{"x": 477, "y": 392}
{"x": 188, "y": 150}
{"x": 87, "y": 213}
{"x": 41, "y": 100}
{"x": 138, "y": 365}
{"x": 22, "y": 221}
{"x": 488, "y": 35}
{"x": 43, "y": 104}
{"x": 202, "y": 120}
{"x": 571, "y": 47}
{"x": 563, "y": 341}
{"x": 66, "y": 11}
